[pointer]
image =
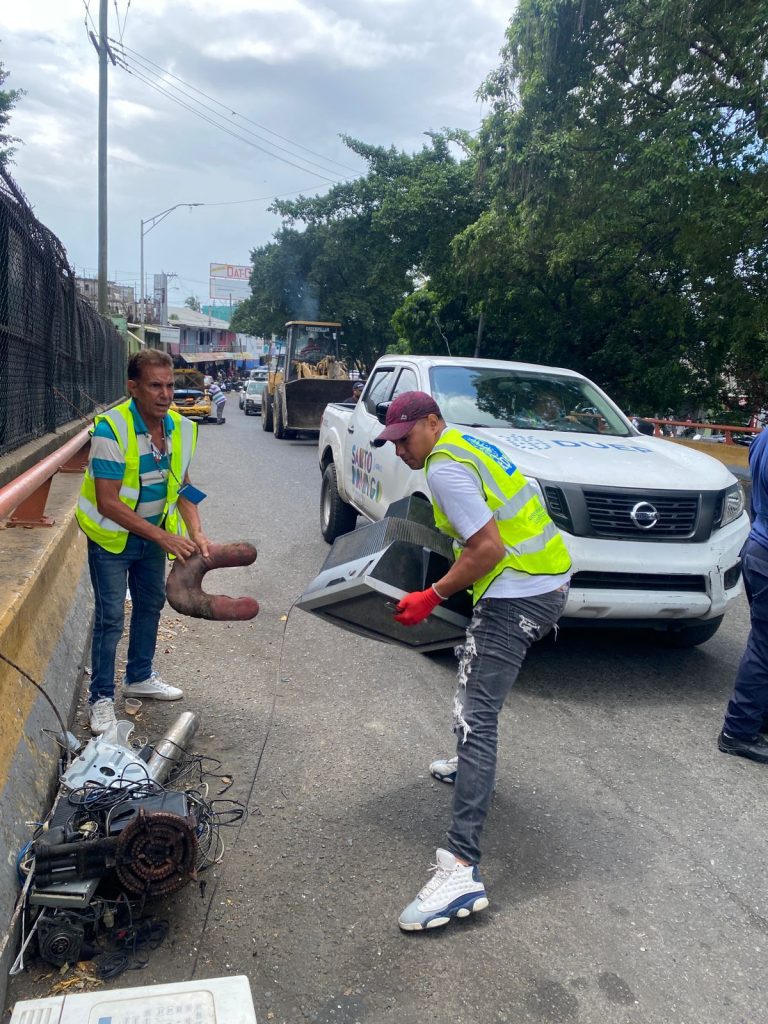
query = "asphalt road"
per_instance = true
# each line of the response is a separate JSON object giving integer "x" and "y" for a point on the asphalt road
{"x": 624, "y": 855}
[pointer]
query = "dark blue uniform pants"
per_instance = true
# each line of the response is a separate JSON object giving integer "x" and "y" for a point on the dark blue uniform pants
{"x": 747, "y": 713}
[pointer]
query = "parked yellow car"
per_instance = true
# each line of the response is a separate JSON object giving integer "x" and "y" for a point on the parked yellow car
{"x": 190, "y": 398}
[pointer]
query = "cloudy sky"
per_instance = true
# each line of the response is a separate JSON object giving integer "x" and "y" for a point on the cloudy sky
{"x": 383, "y": 71}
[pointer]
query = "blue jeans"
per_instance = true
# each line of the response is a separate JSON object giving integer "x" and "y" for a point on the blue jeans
{"x": 498, "y": 638}
{"x": 747, "y": 713}
{"x": 142, "y": 566}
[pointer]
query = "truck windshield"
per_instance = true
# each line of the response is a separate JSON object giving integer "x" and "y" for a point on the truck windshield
{"x": 523, "y": 400}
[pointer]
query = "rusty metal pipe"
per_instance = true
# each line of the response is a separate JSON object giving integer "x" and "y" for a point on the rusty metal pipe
{"x": 184, "y": 589}
{"x": 18, "y": 490}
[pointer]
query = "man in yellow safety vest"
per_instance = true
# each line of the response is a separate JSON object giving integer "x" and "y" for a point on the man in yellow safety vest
{"x": 512, "y": 557}
{"x": 136, "y": 505}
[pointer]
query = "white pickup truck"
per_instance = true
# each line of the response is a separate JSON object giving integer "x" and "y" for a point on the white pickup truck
{"x": 654, "y": 528}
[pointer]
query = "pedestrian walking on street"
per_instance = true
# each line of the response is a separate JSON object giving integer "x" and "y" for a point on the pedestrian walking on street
{"x": 219, "y": 398}
{"x": 133, "y": 511}
{"x": 514, "y": 560}
{"x": 746, "y": 717}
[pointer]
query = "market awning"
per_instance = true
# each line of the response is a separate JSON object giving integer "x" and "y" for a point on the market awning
{"x": 214, "y": 357}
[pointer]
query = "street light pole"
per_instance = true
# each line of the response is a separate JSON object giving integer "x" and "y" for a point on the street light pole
{"x": 102, "y": 161}
{"x": 153, "y": 222}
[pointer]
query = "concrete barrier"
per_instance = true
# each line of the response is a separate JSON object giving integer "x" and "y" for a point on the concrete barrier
{"x": 46, "y": 612}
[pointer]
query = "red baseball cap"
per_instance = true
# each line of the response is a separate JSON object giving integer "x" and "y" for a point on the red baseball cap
{"x": 406, "y": 410}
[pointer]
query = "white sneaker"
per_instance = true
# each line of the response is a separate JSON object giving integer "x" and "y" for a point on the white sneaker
{"x": 444, "y": 769}
{"x": 101, "y": 715}
{"x": 455, "y": 890}
{"x": 155, "y": 688}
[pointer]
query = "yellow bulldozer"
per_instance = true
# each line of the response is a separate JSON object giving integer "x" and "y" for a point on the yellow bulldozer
{"x": 305, "y": 378}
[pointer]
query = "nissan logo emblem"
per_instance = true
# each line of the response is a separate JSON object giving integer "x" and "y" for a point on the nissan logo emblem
{"x": 644, "y": 515}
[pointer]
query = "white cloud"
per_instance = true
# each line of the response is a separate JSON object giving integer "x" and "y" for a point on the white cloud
{"x": 382, "y": 71}
{"x": 126, "y": 112}
{"x": 301, "y": 31}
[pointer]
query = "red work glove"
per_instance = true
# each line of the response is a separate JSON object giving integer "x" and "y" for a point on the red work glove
{"x": 415, "y": 607}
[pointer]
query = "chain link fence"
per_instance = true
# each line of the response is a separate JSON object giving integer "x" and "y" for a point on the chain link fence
{"x": 59, "y": 359}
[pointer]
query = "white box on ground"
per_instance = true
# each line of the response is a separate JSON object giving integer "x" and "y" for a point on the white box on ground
{"x": 210, "y": 1001}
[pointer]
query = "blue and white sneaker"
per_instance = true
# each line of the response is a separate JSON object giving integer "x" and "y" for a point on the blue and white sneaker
{"x": 454, "y": 890}
{"x": 444, "y": 769}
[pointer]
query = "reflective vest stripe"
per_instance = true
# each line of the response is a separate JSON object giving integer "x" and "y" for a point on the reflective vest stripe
{"x": 515, "y": 503}
{"x": 535, "y": 543}
{"x": 464, "y": 455}
{"x": 96, "y": 517}
{"x": 120, "y": 425}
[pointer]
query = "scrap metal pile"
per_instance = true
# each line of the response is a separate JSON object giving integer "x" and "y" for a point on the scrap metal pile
{"x": 129, "y": 824}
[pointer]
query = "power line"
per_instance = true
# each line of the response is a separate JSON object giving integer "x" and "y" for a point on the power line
{"x": 120, "y": 28}
{"x": 217, "y": 124}
{"x": 234, "y": 113}
{"x": 162, "y": 86}
{"x": 88, "y": 17}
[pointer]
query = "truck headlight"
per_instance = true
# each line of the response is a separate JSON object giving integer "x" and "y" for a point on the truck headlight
{"x": 553, "y": 500}
{"x": 733, "y": 504}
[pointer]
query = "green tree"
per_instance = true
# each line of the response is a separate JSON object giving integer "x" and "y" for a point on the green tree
{"x": 355, "y": 253}
{"x": 192, "y": 302}
{"x": 626, "y": 157}
{"x": 8, "y": 100}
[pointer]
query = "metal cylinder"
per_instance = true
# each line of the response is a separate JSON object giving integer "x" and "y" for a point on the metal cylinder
{"x": 172, "y": 747}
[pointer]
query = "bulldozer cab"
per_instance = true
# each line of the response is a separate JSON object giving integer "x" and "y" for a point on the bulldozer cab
{"x": 311, "y": 348}
{"x": 311, "y": 376}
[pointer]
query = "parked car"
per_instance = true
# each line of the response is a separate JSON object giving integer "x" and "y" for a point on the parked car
{"x": 189, "y": 396}
{"x": 654, "y": 528}
{"x": 252, "y": 397}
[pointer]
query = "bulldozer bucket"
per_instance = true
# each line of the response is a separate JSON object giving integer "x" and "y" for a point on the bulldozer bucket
{"x": 306, "y": 399}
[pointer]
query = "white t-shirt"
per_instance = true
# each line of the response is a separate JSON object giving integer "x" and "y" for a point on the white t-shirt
{"x": 459, "y": 493}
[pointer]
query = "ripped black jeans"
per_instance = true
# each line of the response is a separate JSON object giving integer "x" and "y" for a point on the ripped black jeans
{"x": 498, "y": 638}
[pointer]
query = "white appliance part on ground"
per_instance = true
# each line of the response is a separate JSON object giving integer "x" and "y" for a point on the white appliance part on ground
{"x": 212, "y": 1001}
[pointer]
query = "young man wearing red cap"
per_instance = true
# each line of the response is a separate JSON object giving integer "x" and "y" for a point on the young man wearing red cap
{"x": 513, "y": 559}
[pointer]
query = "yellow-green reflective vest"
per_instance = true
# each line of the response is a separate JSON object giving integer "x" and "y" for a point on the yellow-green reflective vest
{"x": 532, "y": 541}
{"x": 108, "y": 534}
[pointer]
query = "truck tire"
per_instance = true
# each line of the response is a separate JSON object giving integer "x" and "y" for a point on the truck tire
{"x": 266, "y": 415}
{"x": 278, "y": 417}
{"x": 336, "y": 516}
{"x": 692, "y": 636}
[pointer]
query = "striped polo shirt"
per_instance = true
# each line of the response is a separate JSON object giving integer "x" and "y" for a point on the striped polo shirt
{"x": 107, "y": 463}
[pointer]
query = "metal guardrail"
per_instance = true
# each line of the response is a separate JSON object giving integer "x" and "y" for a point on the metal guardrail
{"x": 719, "y": 428}
{"x": 27, "y": 495}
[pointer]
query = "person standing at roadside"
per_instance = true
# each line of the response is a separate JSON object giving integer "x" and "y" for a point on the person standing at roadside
{"x": 219, "y": 399}
{"x": 133, "y": 511}
{"x": 513, "y": 558}
{"x": 746, "y": 717}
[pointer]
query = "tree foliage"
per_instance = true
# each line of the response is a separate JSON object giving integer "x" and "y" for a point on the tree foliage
{"x": 8, "y": 100}
{"x": 626, "y": 154}
{"x": 357, "y": 252}
{"x": 610, "y": 216}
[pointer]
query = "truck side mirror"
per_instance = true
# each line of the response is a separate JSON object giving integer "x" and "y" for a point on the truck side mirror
{"x": 381, "y": 412}
{"x": 645, "y": 427}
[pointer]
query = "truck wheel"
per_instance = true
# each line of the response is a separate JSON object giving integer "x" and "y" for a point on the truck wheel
{"x": 336, "y": 516}
{"x": 266, "y": 415}
{"x": 278, "y": 415}
{"x": 692, "y": 636}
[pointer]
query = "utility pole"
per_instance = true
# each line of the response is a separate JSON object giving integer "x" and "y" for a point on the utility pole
{"x": 103, "y": 50}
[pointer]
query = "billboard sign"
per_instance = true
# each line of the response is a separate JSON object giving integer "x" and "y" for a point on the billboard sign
{"x": 229, "y": 281}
